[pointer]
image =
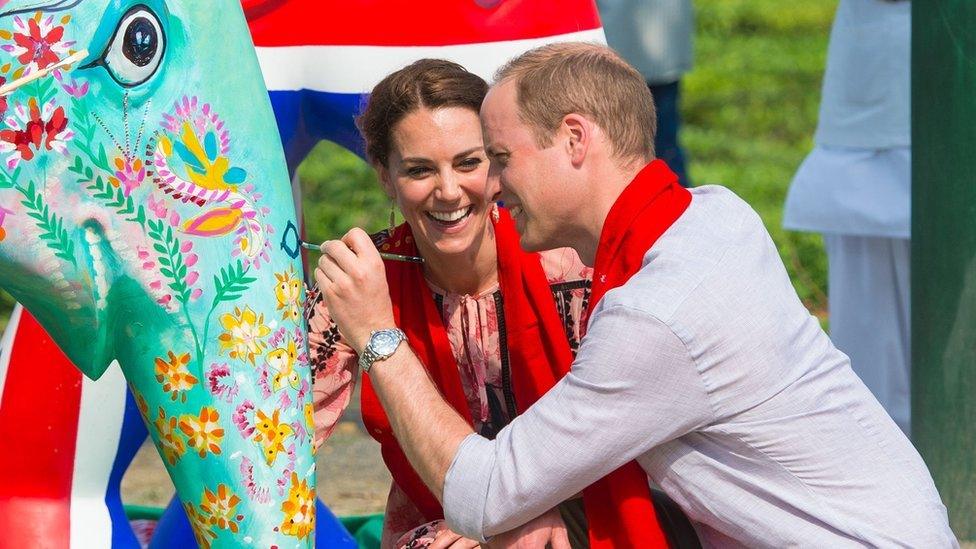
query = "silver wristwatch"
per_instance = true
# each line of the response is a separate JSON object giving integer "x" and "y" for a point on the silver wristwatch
{"x": 382, "y": 344}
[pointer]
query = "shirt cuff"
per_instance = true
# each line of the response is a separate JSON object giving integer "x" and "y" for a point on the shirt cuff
{"x": 466, "y": 487}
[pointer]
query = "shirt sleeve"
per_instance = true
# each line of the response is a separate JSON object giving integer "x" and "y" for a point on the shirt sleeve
{"x": 335, "y": 368}
{"x": 632, "y": 387}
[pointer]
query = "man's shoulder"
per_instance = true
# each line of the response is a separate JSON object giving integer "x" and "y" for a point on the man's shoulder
{"x": 717, "y": 234}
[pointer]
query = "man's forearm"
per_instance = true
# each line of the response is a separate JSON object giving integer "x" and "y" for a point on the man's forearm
{"x": 428, "y": 429}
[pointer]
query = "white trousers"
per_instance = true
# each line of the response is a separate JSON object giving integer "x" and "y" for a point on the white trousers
{"x": 870, "y": 315}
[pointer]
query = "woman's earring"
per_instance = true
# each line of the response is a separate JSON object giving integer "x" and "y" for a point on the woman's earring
{"x": 392, "y": 216}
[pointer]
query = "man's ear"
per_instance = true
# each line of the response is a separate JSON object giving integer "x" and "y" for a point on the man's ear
{"x": 579, "y": 136}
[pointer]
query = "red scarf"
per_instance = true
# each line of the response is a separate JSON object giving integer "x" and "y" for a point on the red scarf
{"x": 618, "y": 507}
{"x": 649, "y": 205}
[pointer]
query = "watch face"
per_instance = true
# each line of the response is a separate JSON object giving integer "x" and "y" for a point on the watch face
{"x": 384, "y": 342}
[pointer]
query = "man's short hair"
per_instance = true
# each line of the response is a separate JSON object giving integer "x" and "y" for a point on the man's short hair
{"x": 588, "y": 79}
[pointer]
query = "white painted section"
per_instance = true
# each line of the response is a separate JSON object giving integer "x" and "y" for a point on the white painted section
{"x": 99, "y": 428}
{"x": 7, "y": 346}
{"x": 356, "y": 69}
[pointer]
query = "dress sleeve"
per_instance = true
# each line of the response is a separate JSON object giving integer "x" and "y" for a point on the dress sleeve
{"x": 632, "y": 387}
{"x": 403, "y": 523}
{"x": 335, "y": 367}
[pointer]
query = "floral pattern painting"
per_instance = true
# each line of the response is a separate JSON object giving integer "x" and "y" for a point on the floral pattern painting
{"x": 142, "y": 198}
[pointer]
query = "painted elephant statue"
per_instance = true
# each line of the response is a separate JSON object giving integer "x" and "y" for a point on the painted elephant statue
{"x": 146, "y": 217}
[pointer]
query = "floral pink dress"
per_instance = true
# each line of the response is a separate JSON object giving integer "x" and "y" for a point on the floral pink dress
{"x": 476, "y": 331}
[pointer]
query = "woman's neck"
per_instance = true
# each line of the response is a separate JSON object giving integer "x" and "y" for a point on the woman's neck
{"x": 469, "y": 273}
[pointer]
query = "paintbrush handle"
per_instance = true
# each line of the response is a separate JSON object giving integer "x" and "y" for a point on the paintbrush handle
{"x": 6, "y": 89}
{"x": 384, "y": 255}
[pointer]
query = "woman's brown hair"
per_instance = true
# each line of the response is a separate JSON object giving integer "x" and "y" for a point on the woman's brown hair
{"x": 427, "y": 83}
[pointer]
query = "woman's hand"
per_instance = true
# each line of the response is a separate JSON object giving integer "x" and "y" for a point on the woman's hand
{"x": 352, "y": 279}
{"x": 535, "y": 534}
{"x": 434, "y": 535}
{"x": 447, "y": 539}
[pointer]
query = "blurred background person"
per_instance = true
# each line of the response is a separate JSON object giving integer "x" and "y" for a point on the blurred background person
{"x": 855, "y": 189}
{"x": 655, "y": 37}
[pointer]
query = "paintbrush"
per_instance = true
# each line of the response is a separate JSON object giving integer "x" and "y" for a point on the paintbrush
{"x": 9, "y": 87}
{"x": 384, "y": 255}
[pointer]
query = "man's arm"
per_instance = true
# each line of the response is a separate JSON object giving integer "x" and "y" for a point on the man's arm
{"x": 632, "y": 387}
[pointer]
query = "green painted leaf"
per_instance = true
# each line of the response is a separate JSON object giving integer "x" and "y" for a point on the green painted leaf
{"x": 103, "y": 158}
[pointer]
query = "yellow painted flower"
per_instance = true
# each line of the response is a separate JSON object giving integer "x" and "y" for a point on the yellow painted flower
{"x": 244, "y": 332}
{"x": 202, "y": 530}
{"x": 170, "y": 441}
{"x": 282, "y": 361}
{"x": 310, "y": 423}
{"x": 204, "y": 432}
{"x": 288, "y": 292}
{"x": 219, "y": 507}
{"x": 299, "y": 509}
{"x": 174, "y": 375}
{"x": 271, "y": 433}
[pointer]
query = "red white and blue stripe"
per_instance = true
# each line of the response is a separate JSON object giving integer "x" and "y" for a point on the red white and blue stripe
{"x": 320, "y": 59}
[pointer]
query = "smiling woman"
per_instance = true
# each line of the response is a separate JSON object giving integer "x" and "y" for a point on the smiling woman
{"x": 469, "y": 304}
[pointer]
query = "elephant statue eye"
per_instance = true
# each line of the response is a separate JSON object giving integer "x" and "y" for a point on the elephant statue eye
{"x": 136, "y": 49}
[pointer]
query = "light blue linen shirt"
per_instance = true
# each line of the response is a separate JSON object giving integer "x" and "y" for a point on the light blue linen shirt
{"x": 707, "y": 369}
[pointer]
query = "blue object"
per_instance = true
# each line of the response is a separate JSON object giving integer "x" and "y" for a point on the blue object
{"x": 666, "y": 147}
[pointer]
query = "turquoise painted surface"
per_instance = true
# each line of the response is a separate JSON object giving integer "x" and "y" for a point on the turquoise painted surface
{"x": 146, "y": 216}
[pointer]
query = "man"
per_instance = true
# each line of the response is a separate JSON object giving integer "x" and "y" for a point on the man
{"x": 699, "y": 362}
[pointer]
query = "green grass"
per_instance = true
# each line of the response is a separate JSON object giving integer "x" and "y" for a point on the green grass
{"x": 749, "y": 108}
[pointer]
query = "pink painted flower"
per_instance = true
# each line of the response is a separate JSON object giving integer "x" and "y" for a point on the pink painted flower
{"x": 3, "y": 98}
{"x": 71, "y": 86}
{"x": 222, "y": 383}
{"x": 242, "y": 418}
{"x": 157, "y": 207}
{"x": 129, "y": 173}
{"x": 3, "y": 215}
{"x": 37, "y": 42}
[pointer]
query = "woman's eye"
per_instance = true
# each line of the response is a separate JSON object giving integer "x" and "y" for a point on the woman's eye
{"x": 418, "y": 171}
{"x": 137, "y": 47}
{"x": 469, "y": 164}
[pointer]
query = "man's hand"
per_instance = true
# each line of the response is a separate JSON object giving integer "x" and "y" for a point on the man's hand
{"x": 352, "y": 279}
{"x": 535, "y": 534}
